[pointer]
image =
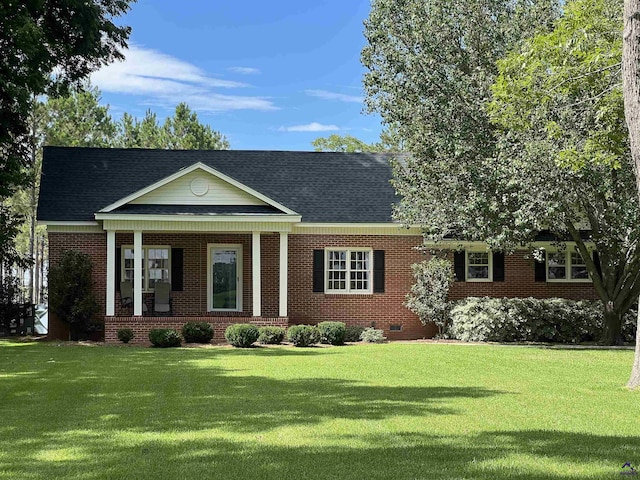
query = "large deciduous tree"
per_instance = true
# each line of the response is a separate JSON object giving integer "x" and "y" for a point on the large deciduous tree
{"x": 44, "y": 47}
{"x": 631, "y": 89}
{"x": 554, "y": 154}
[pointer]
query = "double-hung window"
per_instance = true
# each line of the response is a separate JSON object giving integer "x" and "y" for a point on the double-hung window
{"x": 349, "y": 271}
{"x": 156, "y": 265}
{"x": 566, "y": 265}
{"x": 478, "y": 266}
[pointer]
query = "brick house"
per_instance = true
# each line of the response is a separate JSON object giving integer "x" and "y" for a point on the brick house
{"x": 266, "y": 237}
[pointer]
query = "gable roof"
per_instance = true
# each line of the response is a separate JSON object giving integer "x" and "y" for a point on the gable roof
{"x": 323, "y": 187}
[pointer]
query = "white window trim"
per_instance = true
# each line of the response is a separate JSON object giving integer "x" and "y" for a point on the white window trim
{"x": 466, "y": 266}
{"x": 145, "y": 286}
{"x": 348, "y": 290}
{"x": 567, "y": 266}
{"x": 239, "y": 278}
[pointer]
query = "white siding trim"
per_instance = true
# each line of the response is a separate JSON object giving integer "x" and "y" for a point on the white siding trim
{"x": 284, "y": 260}
{"x": 137, "y": 279}
{"x": 111, "y": 273}
{"x": 255, "y": 273}
{"x": 195, "y": 227}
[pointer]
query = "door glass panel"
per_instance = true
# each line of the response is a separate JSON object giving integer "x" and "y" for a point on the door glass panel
{"x": 225, "y": 275}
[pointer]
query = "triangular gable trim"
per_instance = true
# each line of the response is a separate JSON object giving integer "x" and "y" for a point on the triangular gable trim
{"x": 187, "y": 170}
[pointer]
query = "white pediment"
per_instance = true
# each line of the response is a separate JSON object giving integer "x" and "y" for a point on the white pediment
{"x": 198, "y": 184}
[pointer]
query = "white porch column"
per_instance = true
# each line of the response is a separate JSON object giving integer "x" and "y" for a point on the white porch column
{"x": 137, "y": 277}
{"x": 255, "y": 274}
{"x": 284, "y": 255}
{"x": 111, "y": 273}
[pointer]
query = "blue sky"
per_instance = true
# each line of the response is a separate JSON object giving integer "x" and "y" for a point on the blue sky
{"x": 269, "y": 75}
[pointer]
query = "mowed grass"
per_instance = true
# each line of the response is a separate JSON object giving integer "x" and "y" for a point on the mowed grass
{"x": 391, "y": 411}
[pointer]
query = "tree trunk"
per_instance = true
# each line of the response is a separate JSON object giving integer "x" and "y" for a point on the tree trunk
{"x": 612, "y": 334}
{"x": 634, "y": 380}
{"x": 631, "y": 92}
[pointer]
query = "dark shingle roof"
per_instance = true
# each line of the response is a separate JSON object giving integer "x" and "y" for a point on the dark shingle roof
{"x": 321, "y": 186}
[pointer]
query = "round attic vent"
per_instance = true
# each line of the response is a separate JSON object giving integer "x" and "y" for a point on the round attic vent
{"x": 199, "y": 186}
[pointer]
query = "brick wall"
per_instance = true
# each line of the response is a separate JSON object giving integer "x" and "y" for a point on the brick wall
{"x": 304, "y": 306}
{"x": 519, "y": 281}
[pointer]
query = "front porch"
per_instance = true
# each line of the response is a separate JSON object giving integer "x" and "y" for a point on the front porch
{"x": 141, "y": 326}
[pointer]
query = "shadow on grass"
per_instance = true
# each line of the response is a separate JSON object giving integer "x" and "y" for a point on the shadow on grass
{"x": 165, "y": 414}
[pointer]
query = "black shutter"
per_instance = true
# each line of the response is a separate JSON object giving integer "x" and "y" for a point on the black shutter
{"x": 498, "y": 267}
{"x": 118, "y": 268}
{"x": 596, "y": 260}
{"x": 318, "y": 270}
{"x": 176, "y": 269}
{"x": 459, "y": 261}
{"x": 541, "y": 269}
{"x": 378, "y": 271}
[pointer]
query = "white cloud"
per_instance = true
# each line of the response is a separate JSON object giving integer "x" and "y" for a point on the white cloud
{"x": 165, "y": 80}
{"x": 244, "y": 70}
{"x": 310, "y": 127}
{"x": 341, "y": 97}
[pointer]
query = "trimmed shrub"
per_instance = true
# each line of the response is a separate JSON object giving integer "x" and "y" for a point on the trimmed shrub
{"x": 197, "y": 332}
{"x": 303, "y": 335}
{"x": 332, "y": 333}
{"x": 271, "y": 335}
{"x": 372, "y": 335}
{"x": 353, "y": 332}
{"x": 428, "y": 296}
{"x": 241, "y": 335}
{"x": 125, "y": 335}
{"x": 554, "y": 320}
{"x": 165, "y": 338}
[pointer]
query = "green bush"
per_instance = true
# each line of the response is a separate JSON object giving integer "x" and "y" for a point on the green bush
{"x": 197, "y": 332}
{"x": 555, "y": 320}
{"x": 241, "y": 335}
{"x": 271, "y": 335}
{"x": 332, "y": 333}
{"x": 303, "y": 335}
{"x": 164, "y": 338}
{"x": 372, "y": 335}
{"x": 353, "y": 332}
{"x": 125, "y": 335}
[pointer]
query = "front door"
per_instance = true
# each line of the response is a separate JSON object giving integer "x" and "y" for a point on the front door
{"x": 225, "y": 278}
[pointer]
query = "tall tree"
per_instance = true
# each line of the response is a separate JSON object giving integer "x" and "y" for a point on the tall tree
{"x": 431, "y": 67}
{"x": 631, "y": 89}
{"x": 342, "y": 143}
{"x": 44, "y": 47}
{"x": 182, "y": 131}
{"x": 558, "y": 101}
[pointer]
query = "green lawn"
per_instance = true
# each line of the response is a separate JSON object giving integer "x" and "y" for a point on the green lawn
{"x": 392, "y": 411}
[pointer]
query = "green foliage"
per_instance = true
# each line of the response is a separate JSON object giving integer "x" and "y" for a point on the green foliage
{"x": 182, "y": 131}
{"x": 531, "y": 320}
{"x": 164, "y": 338}
{"x": 70, "y": 289}
{"x": 197, "y": 332}
{"x": 372, "y": 335}
{"x": 72, "y": 38}
{"x": 303, "y": 335}
{"x": 332, "y": 333}
{"x": 342, "y": 143}
{"x": 353, "y": 332}
{"x": 271, "y": 335}
{"x": 241, "y": 335}
{"x": 428, "y": 297}
{"x": 125, "y": 335}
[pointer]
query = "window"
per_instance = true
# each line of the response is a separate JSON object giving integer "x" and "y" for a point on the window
{"x": 156, "y": 265}
{"x": 478, "y": 266}
{"x": 566, "y": 266}
{"x": 348, "y": 271}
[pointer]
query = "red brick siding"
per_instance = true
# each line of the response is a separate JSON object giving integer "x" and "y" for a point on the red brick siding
{"x": 519, "y": 281}
{"x": 382, "y": 309}
{"x": 304, "y": 306}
